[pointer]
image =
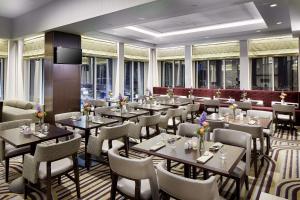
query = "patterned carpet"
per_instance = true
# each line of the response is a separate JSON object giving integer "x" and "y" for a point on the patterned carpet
{"x": 279, "y": 176}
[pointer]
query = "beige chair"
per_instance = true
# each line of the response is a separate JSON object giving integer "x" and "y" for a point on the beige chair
{"x": 8, "y": 151}
{"x": 244, "y": 106}
{"x": 257, "y": 134}
{"x": 211, "y": 106}
{"x": 172, "y": 119}
{"x": 109, "y": 137}
{"x": 51, "y": 161}
{"x": 99, "y": 103}
{"x": 184, "y": 100}
{"x": 162, "y": 98}
{"x": 227, "y": 111}
{"x": 187, "y": 129}
{"x": 172, "y": 185}
{"x": 145, "y": 127}
{"x": 133, "y": 178}
{"x": 284, "y": 115}
{"x": 241, "y": 139}
{"x": 68, "y": 115}
{"x": 98, "y": 111}
{"x": 213, "y": 124}
{"x": 267, "y": 132}
{"x": 192, "y": 110}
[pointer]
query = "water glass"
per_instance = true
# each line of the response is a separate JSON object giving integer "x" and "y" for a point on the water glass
{"x": 222, "y": 154}
{"x": 46, "y": 127}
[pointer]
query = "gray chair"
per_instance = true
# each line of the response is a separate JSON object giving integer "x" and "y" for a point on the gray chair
{"x": 108, "y": 138}
{"x": 284, "y": 115}
{"x": 98, "y": 111}
{"x": 68, "y": 115}
{"x": 8, "y": 151}
{"x": 192, "y": 110}
{"x": 267, "y": 132}
{"x": 211, "y": 106}
{"x": 185, "y": 188}
{"x": 99, "y": 103}
{"x": 187, "y": 129}
{"x": 162, "y": 98}
{"x": 172, "y": 119}
{"x": 257, "y": 134}
{"x": 228, "y": 111}
{"x": 133, "y": 178}
{"x": 213, "y": 124}
{"x": 244, "y": 106}
{"x": 241, "y": 139}
{"x": 51, "y": 161}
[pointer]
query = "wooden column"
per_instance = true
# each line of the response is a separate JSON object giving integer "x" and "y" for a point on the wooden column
{"x": 62, "y": 81}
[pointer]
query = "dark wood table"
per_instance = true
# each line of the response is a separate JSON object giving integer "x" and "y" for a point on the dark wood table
{"x": 263, "y": 122}
{"x": 87, "y": 126}
{"x": 17, "y": 139}
{"x": 188, "y": 157}
{"x": 124, "y": 115}
{"x": 151, "y": 108}
{"x": 174, "y": 104}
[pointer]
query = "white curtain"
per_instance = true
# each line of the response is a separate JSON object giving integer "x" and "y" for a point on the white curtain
{"x": 38, "y": 83}
{"x": 14, "y": 73}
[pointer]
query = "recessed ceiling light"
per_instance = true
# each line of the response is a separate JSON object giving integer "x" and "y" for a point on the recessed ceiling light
{"x": 199, "y": 29}
{"x": 278, "y": 23}
{"x": 258, "y": 31}
{"x": 273, "y": 5}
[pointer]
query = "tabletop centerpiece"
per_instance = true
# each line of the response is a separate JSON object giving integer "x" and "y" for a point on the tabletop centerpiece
{"x": 150, "y": 98}
{"x": 122, "y": 102}
{"x": 282, "y": 97}
{"x": 244, "y": 95}
{"x": 218, "y": 93}
{"x": 40, "y": 114}
{"x": 233, "y": 106}
{"x": 202, "y": 130}
{"x": 87, "y": 107}
{"x": 191, "y": 93}
{"x": 170, "y": 92}
{"x": 110, "y": 94}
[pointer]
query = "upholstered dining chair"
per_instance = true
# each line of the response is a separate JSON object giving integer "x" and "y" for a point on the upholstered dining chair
{"x": 192, "y": 110}
{"x": 284, "y": 115}
{"x": 99, "y": 103}
{"x": 68, "y": 115}
{"x": 172, "y": 119}
{"x": 172, "y": 185}
{"x": 240, "y": 139}
{"x": 162, "y": 98}
{"x": 132, "y": 178}
{"x": 144, "y": 129}
{"x": 8, "y": 151}
{"x": 257, "y": 134}
{"x": 227, "y": 111}
{"x": 211, "y": 105}
{"x": 51, "y": 161}
{"x": 244, "y": 105}
{"x": 213, "y": 124}
{"x": 98, "y": 111}
{"x": 267, "y": 132}
{"x": 108, "y": 138}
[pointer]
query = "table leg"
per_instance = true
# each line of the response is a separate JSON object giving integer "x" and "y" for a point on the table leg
{"x": 187, "y": 171}
{"x": 86, "y": 135}
{"x": 205, "y": 174}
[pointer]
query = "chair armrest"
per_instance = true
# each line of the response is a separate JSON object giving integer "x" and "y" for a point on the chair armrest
{"x": 30, "y": 169}
{"x": 94, "y": 146}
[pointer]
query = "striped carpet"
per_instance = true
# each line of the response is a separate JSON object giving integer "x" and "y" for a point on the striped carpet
{"x": 279, "y": 176}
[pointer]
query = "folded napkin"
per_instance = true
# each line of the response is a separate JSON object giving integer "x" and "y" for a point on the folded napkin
{"x": 40, "y": 135}
{"x": 216, "y": 146}
{"x": 205, "y": 157}
{"x": 252, "y": 122}
{"x": 157, "y": 146}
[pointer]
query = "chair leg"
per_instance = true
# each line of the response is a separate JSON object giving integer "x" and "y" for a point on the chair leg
{"x": 6, "y": 169}
{"x": 147, "y": 132}
{"x": 238, "y": 188}
{"x": 88, "y": 161}
{"x": 169, "y": 165}
{"x": 59, "y": 180}
{"x": 114, "y": 181}
{"x": 126, "y": 139}
{"x": 25, "y": 189}
{"x": 247, "y": 182}
{"x": 76, "y": 173}
{"x": 48, "y": 182}
{"x": 255, "y": 157}
{"x": 174, "y": 125}
{"x": 157, "y": 129}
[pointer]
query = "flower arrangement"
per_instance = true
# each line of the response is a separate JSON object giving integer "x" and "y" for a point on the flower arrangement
{"x": 282, "y": 96}
{"x": 170, "y": 92}
{"x": 122, "y": 101}
{"x": 40, "y": 114}
{"x": 244, "y": 95}
{"x": 202, "y": 130}
{"x": 191, "y": 92}
{"x": 110, "y": 94}
{"x": 87, "y": 108}
{"x": 218, "y": 93}
{"x": 233, "y": 107}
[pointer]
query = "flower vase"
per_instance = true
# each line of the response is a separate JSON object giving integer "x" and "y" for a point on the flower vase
{"x": 282, "y": 101}
{"x": 201, "y": 144}
{"x": 233, "y": 114}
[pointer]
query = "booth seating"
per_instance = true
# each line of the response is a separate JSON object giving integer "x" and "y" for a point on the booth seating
{"x": 266, "y": 96}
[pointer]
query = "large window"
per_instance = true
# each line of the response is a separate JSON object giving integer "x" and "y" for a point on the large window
{"x": 262, "y": 73}
{"x": 1, "y": 78}
{"x": 34, "y": 80}
{"x": 286, "y": 73}
{"x": 232, "y": 73}
{"x": 215, "y": 74}
{"x": 133, "y": 78}
{"x": 201, "y": 74}
{"x": 87, "y": 78}
{"x": 104, "y": 77}
{"x": 172, "y": 73}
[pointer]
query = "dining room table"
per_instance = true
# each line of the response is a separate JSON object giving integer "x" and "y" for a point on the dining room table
{"x": 86, "y": 125}
{"x": 124, "y": 115}
{"x": 178, "y": 153}
{"x": 152, "y": 108}
{"x": 174, "y": 103}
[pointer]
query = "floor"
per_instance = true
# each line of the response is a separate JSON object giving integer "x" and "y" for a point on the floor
{"x": 278, "y": 176}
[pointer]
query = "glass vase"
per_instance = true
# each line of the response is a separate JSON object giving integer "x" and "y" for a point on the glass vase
{"x": 201, "y": 143}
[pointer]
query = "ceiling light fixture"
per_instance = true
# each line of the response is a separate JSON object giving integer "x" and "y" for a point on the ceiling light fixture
{"x": 273, "y": 5}
{"x": 278, "y": 23}
{"x": 199, "y": 29}
{"x": 258, "y": 31}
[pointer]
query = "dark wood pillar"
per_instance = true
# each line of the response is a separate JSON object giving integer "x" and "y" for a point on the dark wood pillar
{"x": 62, "y": 81}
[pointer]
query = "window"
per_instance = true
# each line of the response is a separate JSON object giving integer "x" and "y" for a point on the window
{"x": 201, "y": 74}
{"x": 36, "y": 80}
{"x": 172, "y": 73}
{"x": 232, "y": 73}
{"x": 1, "y": 78}
{"x": 104, "y": 77}
{"x": 87, "y": 78}
{"x": 215, "y": 74}
{"x": 133, "y": 78}
{"x": 262, "y": 73}
{"x": 286, "y": 73}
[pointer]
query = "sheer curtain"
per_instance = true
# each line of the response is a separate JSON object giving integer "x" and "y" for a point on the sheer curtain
{"x": 37, "y": 80}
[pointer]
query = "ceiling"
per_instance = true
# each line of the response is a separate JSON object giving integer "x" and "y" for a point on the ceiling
{"x": 16, "y": 8}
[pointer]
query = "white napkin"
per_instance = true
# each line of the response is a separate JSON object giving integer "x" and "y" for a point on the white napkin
{"x": 40, "y": 135}
{"x": 251, "y": 122}
{"x": 217, "y": 145}
{"x": 157, "y": 146}
{"x": 205, "y": 157}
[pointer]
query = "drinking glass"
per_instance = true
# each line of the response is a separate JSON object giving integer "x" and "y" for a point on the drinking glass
{"x": 222, "y": 154}
{"x": 46, "y": 127}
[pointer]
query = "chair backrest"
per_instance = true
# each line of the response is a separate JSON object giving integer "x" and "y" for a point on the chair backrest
{"x": 131, "y": 105}
{"x": 14, "y": 124}
{"x": 56, "y": 151}
{"x": 260, "y": 114}
{"x": 284, "y": 109}
{"x": 66, "y": 115}
{"x": 99, "y": 110}
{"x": 114, "y": 132}
{"x": 255, "y": 130}
{"x": 162, "y": 98}
{"x": 244, "y": 105}
{"x": 186, "y": 188}
{"x": 99, "y": 103}
{"x": 151, "y": 120}
{"x": 174, "y": 112}
{"x": 213, "y": 124}
{"x": 184, "y": 100}
{"x": 235, "y": 138}
{"x": 187, "y": 129}
{"x": 211, "y": 102}
{"x": 193, "y": 107}
{"x": 228, "y": 111}
{"x": 134, "y": 169}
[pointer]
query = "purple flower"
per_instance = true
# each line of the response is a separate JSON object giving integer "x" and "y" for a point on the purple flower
{"x": 231, "y": 101}
{"x": 150, "y": 93}
{"x": 38, "y": 108}
{"x": 202, "y": 118}
{"x": 120, "y": 97}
